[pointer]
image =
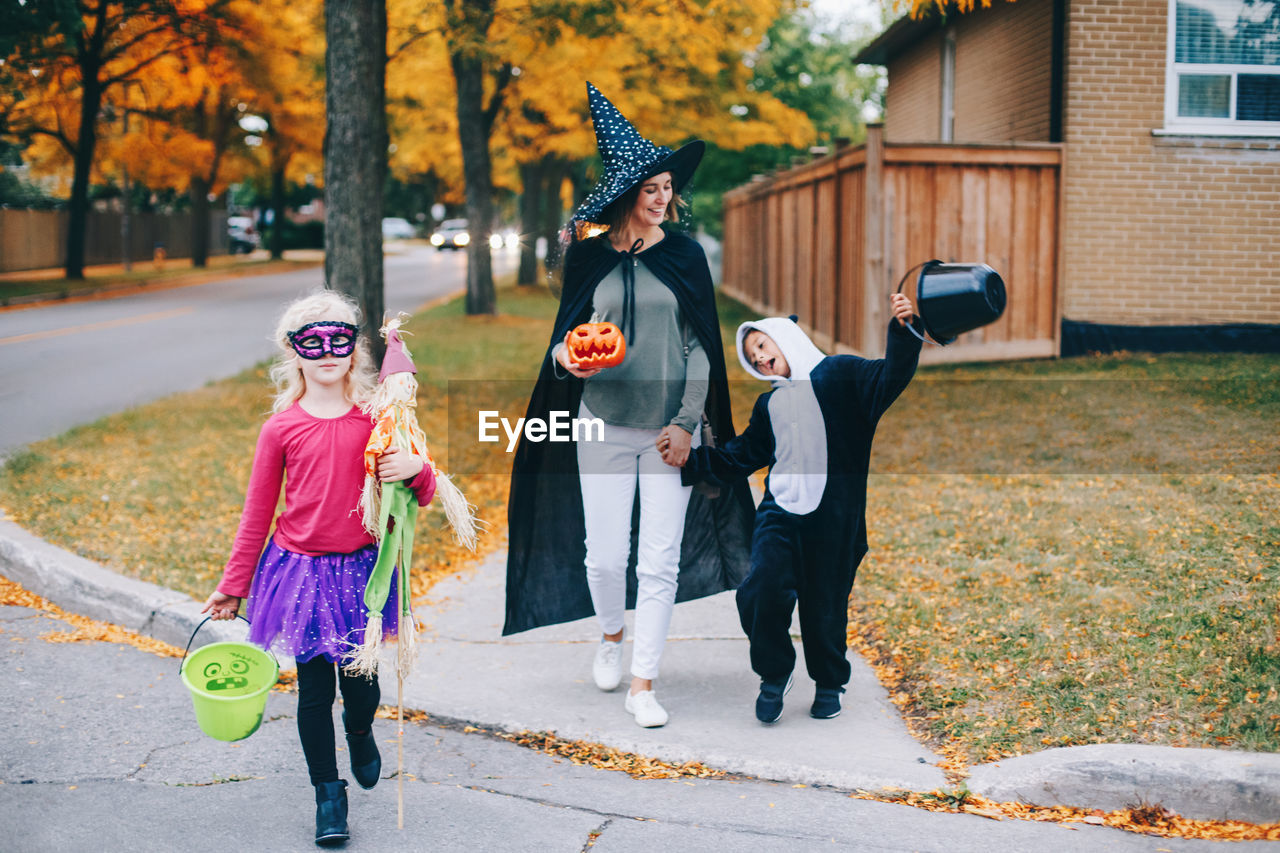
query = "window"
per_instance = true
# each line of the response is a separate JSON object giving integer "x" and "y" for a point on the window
{"x": 1224, "y": 67}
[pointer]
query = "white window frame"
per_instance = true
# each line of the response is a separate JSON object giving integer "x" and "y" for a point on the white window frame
{"x": 1175, "y": 124}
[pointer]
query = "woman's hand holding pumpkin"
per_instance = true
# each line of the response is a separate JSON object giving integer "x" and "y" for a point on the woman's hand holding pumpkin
{"x": 562, "y": 356}
{"x": 673, "y": 443}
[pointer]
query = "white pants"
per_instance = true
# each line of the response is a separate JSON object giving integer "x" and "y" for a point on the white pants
{"x": 608, "y": 471}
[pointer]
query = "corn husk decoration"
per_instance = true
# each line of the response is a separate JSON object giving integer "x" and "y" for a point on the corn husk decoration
{"x": 389, "y": 511}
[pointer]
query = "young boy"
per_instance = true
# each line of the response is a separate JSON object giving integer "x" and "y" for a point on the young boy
{"x": 814, "y": 428}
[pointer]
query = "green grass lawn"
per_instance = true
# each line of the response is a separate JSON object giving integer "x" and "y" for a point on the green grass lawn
{"x": 1062, "y": 552}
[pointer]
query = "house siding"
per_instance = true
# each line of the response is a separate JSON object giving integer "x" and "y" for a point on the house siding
{"x": 1157, "y": 230}
{"x": 913, "y": 104}
{"x": 1001, "y": 84}
{"x": 1003, "y": 74}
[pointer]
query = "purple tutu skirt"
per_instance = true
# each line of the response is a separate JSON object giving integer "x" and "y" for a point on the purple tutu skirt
{"x": 308, "y": 606}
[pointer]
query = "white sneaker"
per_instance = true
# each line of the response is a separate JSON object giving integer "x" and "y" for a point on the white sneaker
{"x": 607, "y": 668}
{"x": 644, "y": 705}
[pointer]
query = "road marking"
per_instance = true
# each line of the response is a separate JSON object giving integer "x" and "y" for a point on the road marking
{"x": 93, "y": 327}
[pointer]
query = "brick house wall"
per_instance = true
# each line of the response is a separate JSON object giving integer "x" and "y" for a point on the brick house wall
{"x": 1001, "y": 79}
{"x": 1003, "y": 74}
{"x": 913, "y": 103}
{"x": 1158, "y": 230}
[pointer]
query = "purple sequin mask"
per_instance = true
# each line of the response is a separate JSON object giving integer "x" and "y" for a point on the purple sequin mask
{"x": 327, "y": 337}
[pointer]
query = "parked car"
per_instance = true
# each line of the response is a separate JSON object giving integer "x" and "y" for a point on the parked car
{"x": 395, "y": 228}
{"x": 451, "y": 234}
{"x": 242, "y": 235}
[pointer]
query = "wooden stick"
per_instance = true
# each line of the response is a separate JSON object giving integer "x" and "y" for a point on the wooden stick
{"x": 400, "y": 749}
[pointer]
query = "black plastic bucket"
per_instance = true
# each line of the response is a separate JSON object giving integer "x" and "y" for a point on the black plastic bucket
{"x": 952, "y": 299}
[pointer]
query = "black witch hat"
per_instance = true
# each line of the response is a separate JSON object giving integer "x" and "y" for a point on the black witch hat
{"x": 629, "y": 158}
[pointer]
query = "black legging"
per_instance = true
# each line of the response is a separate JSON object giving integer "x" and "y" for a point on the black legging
{"x": 315, "y": 712}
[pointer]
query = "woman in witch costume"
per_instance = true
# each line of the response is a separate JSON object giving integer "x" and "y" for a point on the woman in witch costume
{"x": 573, "y": 505}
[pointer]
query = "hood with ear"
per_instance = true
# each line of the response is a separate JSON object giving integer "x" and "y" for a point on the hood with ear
{"x": 802, "y": 354}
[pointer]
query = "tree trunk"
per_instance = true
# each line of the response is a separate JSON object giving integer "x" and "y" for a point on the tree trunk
{"x": 554, "y": 216}
{"x": 199, "y": 222}
{"x": 355, "y": 148}
{"x": 532, "y": 190}
{"x": 277, "y": 212}
{"x": 477, "y": 172}
{"x": 90, "y": 103}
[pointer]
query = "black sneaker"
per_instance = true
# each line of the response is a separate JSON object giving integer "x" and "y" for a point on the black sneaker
{"x": 826, "y": 703}
{"x": 769, "y": 702}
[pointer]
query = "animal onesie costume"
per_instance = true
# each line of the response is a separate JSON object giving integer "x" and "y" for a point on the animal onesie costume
{"x": 814, "y": 429}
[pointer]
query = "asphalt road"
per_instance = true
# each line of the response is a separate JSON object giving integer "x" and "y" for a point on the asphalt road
{"x": 65, "y": 364}
{"x": 100, "y": 751}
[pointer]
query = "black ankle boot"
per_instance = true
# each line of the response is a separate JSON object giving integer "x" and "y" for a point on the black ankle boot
{"x": 331, "y": 813}
{"x": 366, "y": 762}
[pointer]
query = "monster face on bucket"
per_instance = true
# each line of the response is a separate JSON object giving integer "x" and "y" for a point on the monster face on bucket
{"x": 213, "y": 670}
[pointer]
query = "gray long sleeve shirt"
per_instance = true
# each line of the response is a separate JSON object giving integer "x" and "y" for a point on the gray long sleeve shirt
{"x": 656, "y": 384}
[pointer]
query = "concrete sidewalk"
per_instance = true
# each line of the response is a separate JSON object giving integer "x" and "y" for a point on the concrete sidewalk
{"x": 541, "y": 681}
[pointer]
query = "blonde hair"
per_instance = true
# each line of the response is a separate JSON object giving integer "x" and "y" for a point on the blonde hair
{"x": 286, "y": 373}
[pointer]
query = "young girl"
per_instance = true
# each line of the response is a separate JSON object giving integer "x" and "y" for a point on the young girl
{"x": 306, "y": 594}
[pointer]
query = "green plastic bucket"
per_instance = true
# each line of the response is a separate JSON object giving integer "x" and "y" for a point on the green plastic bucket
{"x": 229, "y": 683}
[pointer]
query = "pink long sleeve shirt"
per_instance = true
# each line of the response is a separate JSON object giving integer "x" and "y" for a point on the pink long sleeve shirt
{"x": 324, "y": 458}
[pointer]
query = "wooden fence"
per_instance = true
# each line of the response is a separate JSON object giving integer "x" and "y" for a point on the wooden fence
{"x": 829, "y": 240}
{"x": 37, "y": 239}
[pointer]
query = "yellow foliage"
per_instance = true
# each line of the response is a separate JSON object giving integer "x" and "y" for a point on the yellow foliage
{"x": 916, "y": 8}
{"x": 675, "y": 70}
{"x": 174, "y": 89}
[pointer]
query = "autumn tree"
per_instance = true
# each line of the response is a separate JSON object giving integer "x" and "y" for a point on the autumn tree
{"x": 355, "y": 153}
{"x": 63, "y": 57}
{"x": 467, "y": 25}
{"x": 287, "y": 120}
{"x": 676, "y": 70}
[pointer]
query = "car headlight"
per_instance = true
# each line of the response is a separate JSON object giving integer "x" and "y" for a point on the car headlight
{"x": 511, "y": 239}
{"x": 495, "y": 241}
{"x": 462, "y": 238}
{"x": 437, "y": 239}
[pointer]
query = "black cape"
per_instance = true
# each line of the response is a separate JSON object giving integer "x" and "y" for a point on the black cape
{"x": 546, "y": 575}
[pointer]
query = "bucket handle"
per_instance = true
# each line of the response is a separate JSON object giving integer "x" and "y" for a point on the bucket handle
{"x": 197, "y": 631}
{"x": 924, "y": 268}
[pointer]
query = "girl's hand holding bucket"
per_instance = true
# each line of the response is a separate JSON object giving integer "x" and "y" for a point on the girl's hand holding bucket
{"x": 221, "y": 606}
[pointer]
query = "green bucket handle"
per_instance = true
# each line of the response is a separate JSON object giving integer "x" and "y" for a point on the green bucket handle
{"x": 197, "y": 631}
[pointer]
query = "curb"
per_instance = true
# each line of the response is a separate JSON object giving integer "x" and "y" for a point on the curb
{"x": 1201, "y": 784}
{"x": 86, "y": 588}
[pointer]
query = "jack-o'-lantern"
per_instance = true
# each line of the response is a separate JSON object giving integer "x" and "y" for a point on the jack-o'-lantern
{"x": 595, "y": 345}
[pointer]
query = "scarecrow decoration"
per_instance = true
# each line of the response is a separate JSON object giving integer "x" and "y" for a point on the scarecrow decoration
{"x": 389, "y": 512}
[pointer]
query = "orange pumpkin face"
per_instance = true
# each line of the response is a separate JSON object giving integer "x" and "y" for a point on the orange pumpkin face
{"x": 594, "y": 345}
